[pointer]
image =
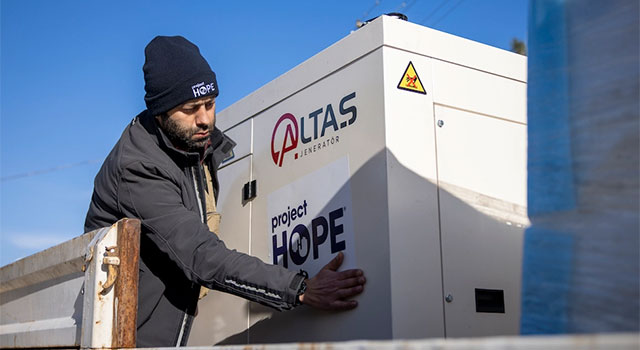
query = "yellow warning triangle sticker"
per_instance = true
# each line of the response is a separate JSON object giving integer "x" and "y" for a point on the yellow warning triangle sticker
{"x": 411, "y": 81}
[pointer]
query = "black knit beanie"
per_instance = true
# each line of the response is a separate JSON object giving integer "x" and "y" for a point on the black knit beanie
{"x": 175, "y": 72}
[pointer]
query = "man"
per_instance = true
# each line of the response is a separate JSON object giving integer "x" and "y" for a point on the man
{"x": 163, "y": 172}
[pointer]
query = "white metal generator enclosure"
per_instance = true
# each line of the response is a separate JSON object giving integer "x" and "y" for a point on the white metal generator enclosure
{"x": 401, "y": 146}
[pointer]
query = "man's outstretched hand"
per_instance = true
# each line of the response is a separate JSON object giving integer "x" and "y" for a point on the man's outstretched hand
{"x": 331, "y": 290}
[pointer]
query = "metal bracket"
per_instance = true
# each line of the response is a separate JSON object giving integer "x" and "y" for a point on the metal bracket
{"x": 89, "y": 250}
{"x": 111, "y": 260}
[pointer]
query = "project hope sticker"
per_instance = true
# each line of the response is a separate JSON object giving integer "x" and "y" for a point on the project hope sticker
{"x": 310, "y": 220}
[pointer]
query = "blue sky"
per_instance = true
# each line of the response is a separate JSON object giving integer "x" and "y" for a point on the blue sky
{"x": 71, "y": 79}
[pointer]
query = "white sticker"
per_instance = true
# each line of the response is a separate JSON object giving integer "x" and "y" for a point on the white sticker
{"x": 310, "y": 220}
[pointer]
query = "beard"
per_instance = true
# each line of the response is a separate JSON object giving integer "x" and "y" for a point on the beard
{"x": 182, "y": 137}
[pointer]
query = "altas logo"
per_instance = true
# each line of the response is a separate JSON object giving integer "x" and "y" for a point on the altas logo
{"x": 289, "y": 139}
{"x": 289, "y": 132}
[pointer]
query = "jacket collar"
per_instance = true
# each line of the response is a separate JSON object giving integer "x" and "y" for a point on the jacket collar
{"x": 222, "y": 145}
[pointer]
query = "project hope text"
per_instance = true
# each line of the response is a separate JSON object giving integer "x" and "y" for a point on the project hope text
{"x": 297, "y": 243}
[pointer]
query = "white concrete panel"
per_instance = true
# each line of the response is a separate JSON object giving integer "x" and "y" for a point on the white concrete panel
{"x": 476, "y": 91}
{"x": 222, "y": 315}
{"x": 482, "y": 154}
{"x": 414, "y": 234}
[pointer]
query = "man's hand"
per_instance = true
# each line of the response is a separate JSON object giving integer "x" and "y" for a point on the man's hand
{"x": 330, "y": 289}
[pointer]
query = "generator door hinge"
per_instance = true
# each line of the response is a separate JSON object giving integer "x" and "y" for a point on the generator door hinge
{"x": 249, "y": 191}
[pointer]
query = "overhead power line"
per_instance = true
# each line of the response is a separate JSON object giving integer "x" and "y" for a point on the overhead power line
{"x": 411, "y": 3}
{"x": 405, "y": 6}
{"x": 433, "y": 12}
{"x": 49, "y": 170}
{"x": 448, "y": 12}
{"x": 376, "y": 3}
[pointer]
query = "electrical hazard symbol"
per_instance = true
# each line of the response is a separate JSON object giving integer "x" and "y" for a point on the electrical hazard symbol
{"x": 411, "y": 81}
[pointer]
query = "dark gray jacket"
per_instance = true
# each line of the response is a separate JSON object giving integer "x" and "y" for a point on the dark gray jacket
{"x": 145, "y": 177}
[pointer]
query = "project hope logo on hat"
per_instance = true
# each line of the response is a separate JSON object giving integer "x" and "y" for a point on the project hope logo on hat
{"x": 201, "y": 89}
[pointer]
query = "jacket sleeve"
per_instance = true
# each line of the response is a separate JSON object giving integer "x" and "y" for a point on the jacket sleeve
{"x": 150, "y": 194}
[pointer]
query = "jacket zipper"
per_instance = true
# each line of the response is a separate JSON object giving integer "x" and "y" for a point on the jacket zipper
{"x": 202, "y": 218}
{"x": 181, "y": 334}
{"x": 195, "y": 186}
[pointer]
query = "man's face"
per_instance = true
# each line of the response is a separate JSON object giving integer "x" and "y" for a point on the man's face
{"x": 190, "y": 125}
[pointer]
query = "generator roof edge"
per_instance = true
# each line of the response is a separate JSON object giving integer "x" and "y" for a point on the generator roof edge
{"x": 384, "y": 31}
{"x": 339, "y": 54}
{"x": 447, "y": 47}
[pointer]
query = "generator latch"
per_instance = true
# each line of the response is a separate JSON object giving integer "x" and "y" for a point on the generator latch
{"x": 249, "y": 191}
{"x": 112, "y": 260}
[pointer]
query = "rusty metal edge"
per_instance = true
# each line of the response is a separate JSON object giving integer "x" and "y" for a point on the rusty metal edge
{"x": 126, "y": 287}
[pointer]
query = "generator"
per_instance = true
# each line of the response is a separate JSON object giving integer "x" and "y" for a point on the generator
{"x": 402, "y": 147}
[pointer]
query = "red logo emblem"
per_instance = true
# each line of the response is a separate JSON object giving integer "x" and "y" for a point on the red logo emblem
{"x": 284, "y": 138}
